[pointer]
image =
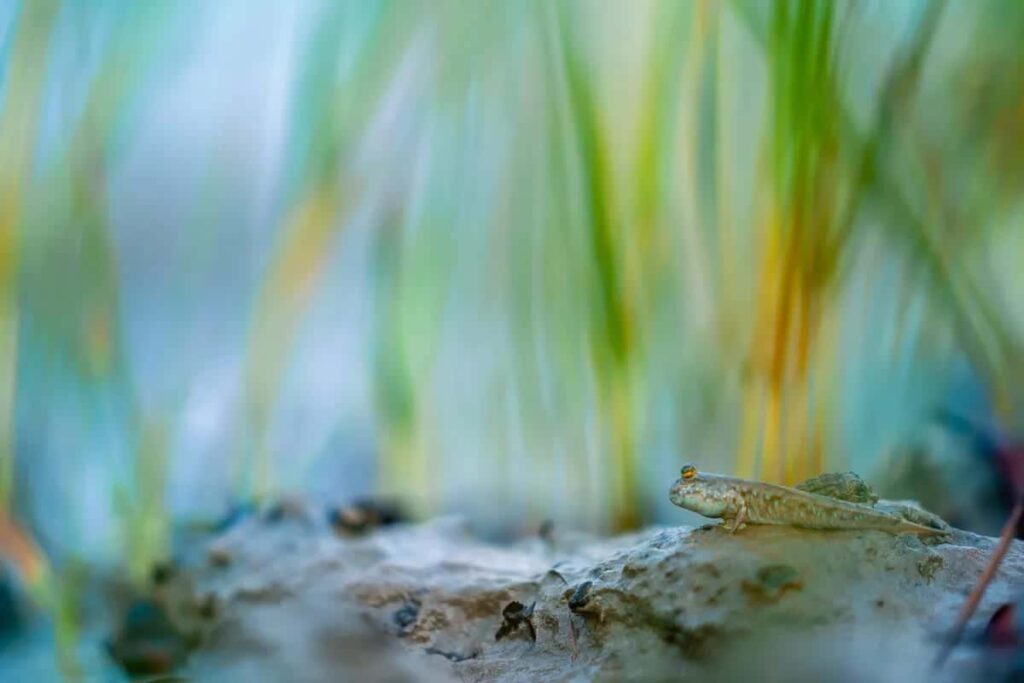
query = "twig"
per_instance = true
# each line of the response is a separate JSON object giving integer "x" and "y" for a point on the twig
{"x": 1009, "y": 531}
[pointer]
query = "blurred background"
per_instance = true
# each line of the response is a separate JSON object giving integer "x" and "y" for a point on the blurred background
{"x": 513, "y": 260}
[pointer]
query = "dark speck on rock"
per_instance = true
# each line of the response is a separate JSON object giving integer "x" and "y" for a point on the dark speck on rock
{"x": 517, "y": 615}
{"x": 236, "y": 514}
{"x": 452, "y": 656}
{"x": 772, "y": 580}
{"x": 208, "y": 607}
{"x": 929, "y": 566}
{"x": 286, "y": 509}
{"x": 162, "y": 573}
{"x": 218, "y": 557}
{"x": 581, "y": 596}
{"x": 405, "y": 617}
{"x": 632, "y": 569}
{"x": 662, "y": 540}
{"x": 713, "y": 600}
{"x": 553, "y": 575}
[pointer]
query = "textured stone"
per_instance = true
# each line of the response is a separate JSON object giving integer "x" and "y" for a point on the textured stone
{"x": 425, "y": 602}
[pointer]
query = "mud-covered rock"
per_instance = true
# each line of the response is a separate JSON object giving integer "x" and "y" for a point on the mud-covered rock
{"x": 426, "y": 602}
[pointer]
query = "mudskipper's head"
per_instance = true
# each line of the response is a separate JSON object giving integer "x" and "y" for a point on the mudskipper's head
{"x": 692, "y": 492}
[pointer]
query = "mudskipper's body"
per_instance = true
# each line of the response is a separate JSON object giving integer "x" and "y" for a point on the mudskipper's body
{"x": 738, "y": 502}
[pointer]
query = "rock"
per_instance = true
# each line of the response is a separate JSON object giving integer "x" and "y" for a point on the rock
{"x": 425, "y": 602}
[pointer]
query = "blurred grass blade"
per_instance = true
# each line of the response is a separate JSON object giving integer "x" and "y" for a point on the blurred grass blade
{"x": 19, "y": 116}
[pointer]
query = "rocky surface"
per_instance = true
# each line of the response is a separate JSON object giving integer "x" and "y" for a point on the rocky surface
{"x": 295, "y": 601}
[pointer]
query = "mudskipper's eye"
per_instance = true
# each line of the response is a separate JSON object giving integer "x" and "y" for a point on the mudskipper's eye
{"x": 688, "y": 472}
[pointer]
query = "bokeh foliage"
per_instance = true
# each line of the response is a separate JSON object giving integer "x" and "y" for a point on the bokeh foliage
{"x": 588, "y": 241}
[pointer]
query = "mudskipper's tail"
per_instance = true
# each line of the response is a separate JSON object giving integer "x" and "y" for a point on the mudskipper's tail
{"x": 922, "y": 531}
